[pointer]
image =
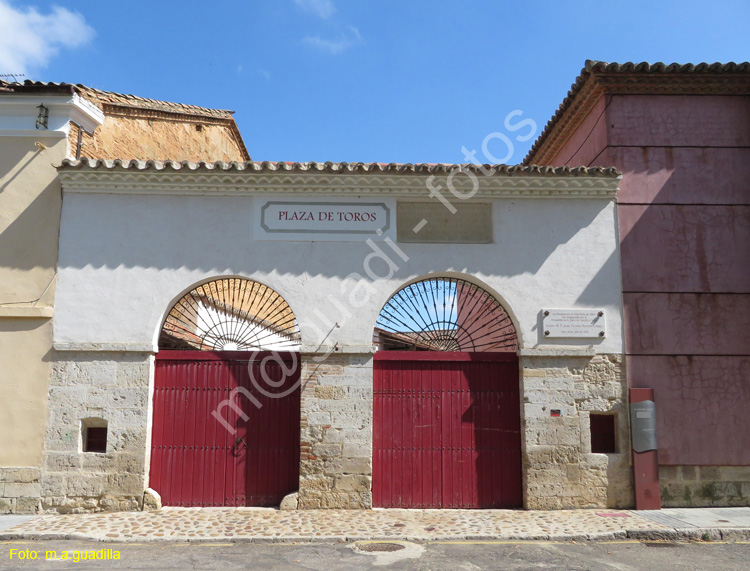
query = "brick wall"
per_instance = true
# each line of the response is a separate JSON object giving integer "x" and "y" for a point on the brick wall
{"x": 132, "y": 137}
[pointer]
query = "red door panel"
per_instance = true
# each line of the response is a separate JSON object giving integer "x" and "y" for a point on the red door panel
{"x": 195, "y": 459}
{"x": 447, "y": 430}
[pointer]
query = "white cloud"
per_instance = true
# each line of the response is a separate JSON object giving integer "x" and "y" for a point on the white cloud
{"x": 321, "y": 8}
{"x": 345, "y": 41}
{"x": 29, "y": 39}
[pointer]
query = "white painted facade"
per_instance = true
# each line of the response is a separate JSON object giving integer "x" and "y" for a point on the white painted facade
{"x": 135, "y": 237}
{"x": 19, "y": 114}
{"x": 125, "y": 257}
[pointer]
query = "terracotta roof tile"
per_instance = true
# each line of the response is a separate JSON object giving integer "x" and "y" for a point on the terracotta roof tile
{"x": 644, "y": 70}
{"x": 331, "y": 167}
{"x": 113, "y": 103}
{"x": 100, "y": 97}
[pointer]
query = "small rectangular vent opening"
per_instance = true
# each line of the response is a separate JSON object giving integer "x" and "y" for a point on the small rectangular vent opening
{"x": 603, "y": 432}
{"x": 94, "y": 435}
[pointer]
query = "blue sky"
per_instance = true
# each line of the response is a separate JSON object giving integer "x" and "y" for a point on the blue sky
{"x": 361, "y": 80}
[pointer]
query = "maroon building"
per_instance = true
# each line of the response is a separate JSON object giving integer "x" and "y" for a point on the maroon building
{"x": 680, "y": 135}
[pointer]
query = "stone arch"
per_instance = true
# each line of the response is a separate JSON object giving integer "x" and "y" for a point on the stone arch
{"x": 230, "y": 314}
{"x": 445, "y": 313}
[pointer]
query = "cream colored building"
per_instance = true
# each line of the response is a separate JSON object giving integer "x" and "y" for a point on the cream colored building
{"x": 40, "y": 125}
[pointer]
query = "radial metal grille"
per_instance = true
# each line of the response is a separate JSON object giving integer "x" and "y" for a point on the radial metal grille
{"x": 444, "y": 314}
{"x": 231, "y": 314}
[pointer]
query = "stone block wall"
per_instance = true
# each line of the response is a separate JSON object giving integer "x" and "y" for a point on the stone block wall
{"x": 560, "y": 471}
{"x": 336, "y": 432}
{"x": 108, "y": 386}
{"x": 704, "y": 486}
{"x": 19, "y": 490}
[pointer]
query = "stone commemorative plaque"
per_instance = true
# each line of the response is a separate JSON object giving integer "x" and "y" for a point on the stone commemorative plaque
{"x": 573, "y": 323}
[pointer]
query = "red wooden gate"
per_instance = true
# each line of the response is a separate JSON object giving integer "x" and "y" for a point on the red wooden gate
{"x": 447, "y": 430}
{"x": 250, "y": 460}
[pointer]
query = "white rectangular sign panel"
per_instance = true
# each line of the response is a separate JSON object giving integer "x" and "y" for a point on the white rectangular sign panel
{"x": 573, "y": 323}
{"x": 324, "y": 220}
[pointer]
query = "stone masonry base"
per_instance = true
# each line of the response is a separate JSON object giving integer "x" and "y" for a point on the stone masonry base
{"x": 106, "y": 388}
{"x": 704, "y": 486}
{"x": 560, "y": 391}
{"x": 336, "y": 432}
{"x": 19, "y": 490}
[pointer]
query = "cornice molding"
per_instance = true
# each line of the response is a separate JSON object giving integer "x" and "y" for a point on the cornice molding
{"x": 104, "y": 347}
{"x": 587, "y": 352}
{"x": 86, "y": 114}
{"x": 328, "y": 350}
{"x": 112, "y": 109}
{"x": 19, "y": 111}
{"x": 27, "y": 311}
{"x": 284, "y": 183}
{"x": 36, "y": 133}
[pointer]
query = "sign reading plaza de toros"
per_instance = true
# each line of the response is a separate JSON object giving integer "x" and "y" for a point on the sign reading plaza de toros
{"x": 326, "y": 220}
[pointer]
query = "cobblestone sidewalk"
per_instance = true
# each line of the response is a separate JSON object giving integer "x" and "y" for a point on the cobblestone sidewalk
{"x": 253, "y": 524}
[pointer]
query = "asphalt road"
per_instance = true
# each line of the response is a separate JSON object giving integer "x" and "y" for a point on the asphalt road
{"x": 621, "y": 555}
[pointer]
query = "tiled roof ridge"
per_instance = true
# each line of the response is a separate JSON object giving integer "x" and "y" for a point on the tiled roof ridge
{"x": 37, "y": 85}
{"x": 660, "y": 67}
{"x": 118, "y": 99}
{"x": 592, "y": 67}
{"x": 129, "y": 100}
{"x": 329, "y": 167}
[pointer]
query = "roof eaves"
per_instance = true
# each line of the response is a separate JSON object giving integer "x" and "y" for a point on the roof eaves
{"x": 103, "y": 98}
{"x": 100, "y": 98}
{"x": 643, "y": 75}
{"x": 36, "y": 87}
{"x": 112, "y": 102}
{"x": 333, "y": 167}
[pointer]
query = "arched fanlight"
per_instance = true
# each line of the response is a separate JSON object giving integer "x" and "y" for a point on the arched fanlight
{"x": 231, "y": 314}
{"x": 444, "y": 314}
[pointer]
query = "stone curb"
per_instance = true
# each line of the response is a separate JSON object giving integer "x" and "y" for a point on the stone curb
{"x": 691, "y": 534}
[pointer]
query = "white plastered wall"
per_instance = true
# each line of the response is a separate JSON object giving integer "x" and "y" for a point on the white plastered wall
{"x": 125, "y": 258}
